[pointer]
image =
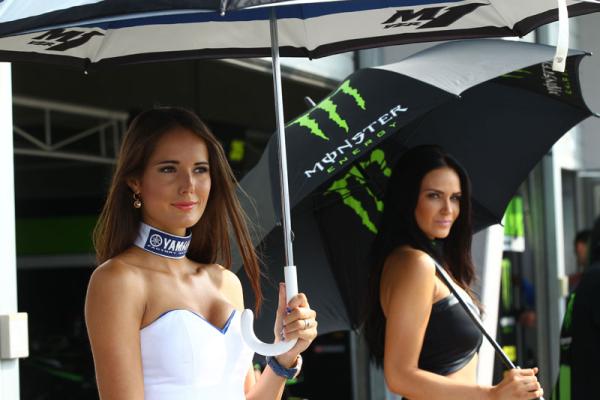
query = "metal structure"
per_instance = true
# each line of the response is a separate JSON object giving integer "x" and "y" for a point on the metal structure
{"x": 101, "y": 130}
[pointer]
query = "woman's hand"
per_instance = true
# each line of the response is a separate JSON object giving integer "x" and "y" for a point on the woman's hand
{"x": 518, "y": 384}
{"x": 295, "y": 320}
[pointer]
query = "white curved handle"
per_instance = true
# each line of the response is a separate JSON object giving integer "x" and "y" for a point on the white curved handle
{"x": 247, "y": 321}
{"x": 260, "y": 347}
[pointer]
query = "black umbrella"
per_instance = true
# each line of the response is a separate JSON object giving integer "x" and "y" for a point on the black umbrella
{"x": 495, "y": 105}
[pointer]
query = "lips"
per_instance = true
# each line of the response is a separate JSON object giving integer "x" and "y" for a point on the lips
{"x": 445, "y": 223}
{"x": 185, "y": 205}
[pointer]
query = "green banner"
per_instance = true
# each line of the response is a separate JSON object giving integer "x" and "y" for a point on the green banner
{"x": 53, "y": 236}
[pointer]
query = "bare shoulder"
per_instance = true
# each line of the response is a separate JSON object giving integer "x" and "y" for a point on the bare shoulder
{"x": 408, "y": 277}
{"x": 407, "y": 264}
{"x": 117, "y": 279}
{"x": 117, "y": 271}
{"x": 228, "y": 282}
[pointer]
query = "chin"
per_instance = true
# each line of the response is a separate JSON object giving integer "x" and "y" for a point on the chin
{"x": 441, "y": 235}
{"x": 184, "y": 221}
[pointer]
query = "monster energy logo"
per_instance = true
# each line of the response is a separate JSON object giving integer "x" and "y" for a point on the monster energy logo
{"x": 355, "y": 144}
{"x": 556, "y": 83}
{"x": 342, "y": 187}
{"x": 330, "y": 108}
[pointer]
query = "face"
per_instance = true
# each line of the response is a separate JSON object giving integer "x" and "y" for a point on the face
{"x": 438, "y": 204}
{"x": 581, "y": 253}
{"x": 175, "y": 185}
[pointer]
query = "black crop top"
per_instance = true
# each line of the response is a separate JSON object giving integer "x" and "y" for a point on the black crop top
{"x": 451, "y": 338}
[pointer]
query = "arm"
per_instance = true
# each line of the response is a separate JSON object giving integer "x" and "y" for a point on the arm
{"x": 113, "y": 312}
{"x": 407, "y": 289}
{"x": 269, "y": 386}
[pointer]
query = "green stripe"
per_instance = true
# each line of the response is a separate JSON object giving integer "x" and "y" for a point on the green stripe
{"x": 513, "y": 218}
{"x": 564, "y": 390}
{"x": 569, "y": 312}
{"x": 506, "y": 284}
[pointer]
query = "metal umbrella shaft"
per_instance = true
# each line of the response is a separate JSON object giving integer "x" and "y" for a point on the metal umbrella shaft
{"x": 279, "y": 119}
{"x": 291, "y": 281}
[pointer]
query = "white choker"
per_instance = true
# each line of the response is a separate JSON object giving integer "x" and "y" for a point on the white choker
{"x": 162, "y": 243}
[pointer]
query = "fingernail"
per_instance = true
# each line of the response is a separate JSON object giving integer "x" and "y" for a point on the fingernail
{"x": 288, "y": 310}
{"x": 282, "y": 334}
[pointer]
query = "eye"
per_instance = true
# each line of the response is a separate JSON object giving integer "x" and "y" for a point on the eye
{"x": 167, "y": 169}
{"x": 456, "y": 198}
{"x": 433, "y": 195}
{"x": 201, "y": 169}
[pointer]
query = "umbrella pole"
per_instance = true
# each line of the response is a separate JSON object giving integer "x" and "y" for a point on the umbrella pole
{"x": 291, "y": 281}
{"x": 279, "y": 118}
{"x": 503, "y": 356}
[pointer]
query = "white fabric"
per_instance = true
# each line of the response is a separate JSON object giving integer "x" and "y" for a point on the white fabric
{"x": 562, "y": 45}
{"x": 184, "y": 357}
{"x": 96, "y": 44}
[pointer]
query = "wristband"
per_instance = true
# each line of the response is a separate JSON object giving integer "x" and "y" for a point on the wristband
{"x": 287, "y": 373}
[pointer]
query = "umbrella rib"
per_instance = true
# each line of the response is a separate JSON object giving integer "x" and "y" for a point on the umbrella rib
{"x": 502, "y": 16}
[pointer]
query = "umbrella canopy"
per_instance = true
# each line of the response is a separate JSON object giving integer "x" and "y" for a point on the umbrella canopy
{"x": 497, "y": 114}
{"x": 88, "y": 32}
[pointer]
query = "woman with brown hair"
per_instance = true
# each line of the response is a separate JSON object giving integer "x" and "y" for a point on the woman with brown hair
{"x": 163, "y": 316}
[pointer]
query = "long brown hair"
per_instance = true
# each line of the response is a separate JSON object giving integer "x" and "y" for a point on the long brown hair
{"x": 118, "y": 224}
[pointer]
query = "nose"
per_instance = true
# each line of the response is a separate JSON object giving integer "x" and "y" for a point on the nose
{"x": 186, "y": 184}
{"x": 447, "y": 206}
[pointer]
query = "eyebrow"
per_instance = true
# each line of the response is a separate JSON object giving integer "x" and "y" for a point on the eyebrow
{"x": 439, "y": 191}
{"x": 177, "y": 162}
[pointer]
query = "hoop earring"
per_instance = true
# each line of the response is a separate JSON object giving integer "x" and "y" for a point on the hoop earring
{"x": 137, "y": 201}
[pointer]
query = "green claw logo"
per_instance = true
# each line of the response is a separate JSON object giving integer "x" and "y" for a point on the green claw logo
{"x": 330, "y": 108}
{"x": 518, "y": 74}
{"x": 357, "y": 141}
{"x": 342, "y": 188}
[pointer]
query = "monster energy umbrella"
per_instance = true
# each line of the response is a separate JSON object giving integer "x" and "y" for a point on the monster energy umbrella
{"x": 495, "y": 105}
{"x": 88, "y": 32}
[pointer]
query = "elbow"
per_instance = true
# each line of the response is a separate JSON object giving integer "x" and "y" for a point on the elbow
{"x": 399, "y": 380}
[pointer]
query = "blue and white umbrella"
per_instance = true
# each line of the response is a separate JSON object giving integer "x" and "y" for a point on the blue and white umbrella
{"x": 89, "y": 33}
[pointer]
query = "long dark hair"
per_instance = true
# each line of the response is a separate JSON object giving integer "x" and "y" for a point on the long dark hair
{"x": 118, "y": 224}
{"x": 399, "y": 227}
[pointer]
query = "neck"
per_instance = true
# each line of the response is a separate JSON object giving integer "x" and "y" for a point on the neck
{"x": 161, "y": 243}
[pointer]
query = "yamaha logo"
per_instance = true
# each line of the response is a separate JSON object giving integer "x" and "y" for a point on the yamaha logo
{"x": 155, "y": 240}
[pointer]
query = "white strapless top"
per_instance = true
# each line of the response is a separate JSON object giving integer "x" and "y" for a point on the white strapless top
{"x": 185, "y": 357}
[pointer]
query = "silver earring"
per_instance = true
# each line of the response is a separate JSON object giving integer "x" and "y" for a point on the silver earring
{"x": 137, "y": 202}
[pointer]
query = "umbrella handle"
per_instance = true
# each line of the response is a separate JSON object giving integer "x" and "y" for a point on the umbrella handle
{"x": 247, "y": 321}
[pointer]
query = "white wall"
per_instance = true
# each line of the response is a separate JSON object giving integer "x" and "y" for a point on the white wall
{"x": 588, "y": 38}
{"x": 9, "y": 369}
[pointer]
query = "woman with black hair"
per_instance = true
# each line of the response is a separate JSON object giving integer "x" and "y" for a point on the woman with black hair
{"x": 415, "y": 327}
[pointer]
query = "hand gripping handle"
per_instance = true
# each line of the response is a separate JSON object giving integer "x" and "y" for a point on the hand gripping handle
{"x": 270, "y": 349}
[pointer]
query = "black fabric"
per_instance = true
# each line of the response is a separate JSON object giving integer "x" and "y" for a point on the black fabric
{"x": 498, "y": 131}
{"x": 451, "y": 338}
{"x": 580, "y": 339}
